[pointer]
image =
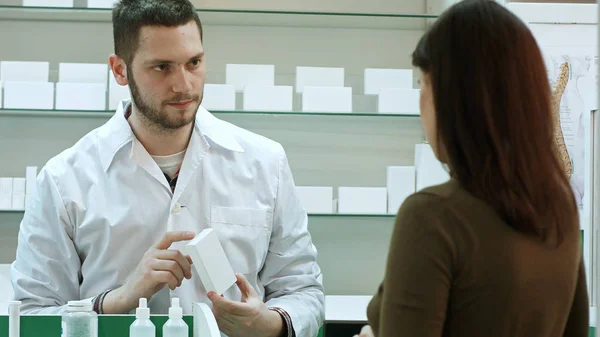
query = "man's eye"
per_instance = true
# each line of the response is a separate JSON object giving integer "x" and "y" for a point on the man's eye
{"x": 161, "y": 67}
{"x": 195, "y": 62}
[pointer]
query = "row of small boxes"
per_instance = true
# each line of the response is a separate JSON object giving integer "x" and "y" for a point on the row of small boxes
{"x": 15, "y": 191}
{"x": 402, "y": 181}
{"x": 69, "y": 3}
{"x": 84, "y": 87}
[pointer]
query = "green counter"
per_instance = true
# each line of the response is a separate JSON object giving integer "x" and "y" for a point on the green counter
{"x": 108, "y": 326}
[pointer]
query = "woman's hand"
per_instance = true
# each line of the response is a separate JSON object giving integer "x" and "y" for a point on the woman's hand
{"x": 365, "y": 332}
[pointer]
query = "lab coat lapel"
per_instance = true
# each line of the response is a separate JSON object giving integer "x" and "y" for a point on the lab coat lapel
{"x": 144, "y": 160}
{"x": 197, "y": 147}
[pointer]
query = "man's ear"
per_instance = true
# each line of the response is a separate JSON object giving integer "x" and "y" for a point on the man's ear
{"x": 119, "y": 69}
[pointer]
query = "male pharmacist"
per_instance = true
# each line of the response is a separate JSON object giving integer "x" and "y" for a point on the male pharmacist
{"x": 111, "y": 214}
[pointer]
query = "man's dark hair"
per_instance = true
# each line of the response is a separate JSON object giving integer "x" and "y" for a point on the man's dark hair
{"x": 129, "y": 16}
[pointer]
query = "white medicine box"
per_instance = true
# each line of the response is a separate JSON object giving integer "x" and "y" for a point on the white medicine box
{"x": 327, "y": 99}
{"x": 362, "y": 200}
{"x": 400, "y": 185}
{"x": 429, "y": 170}
{"x": 399, "y": 101}
{"x": 241, "y": 75}
{"x": 48, "y": 3}
{"x": 219, "y": 97}
{"x": 268, "y": 98}
{"x": 29, "y": 95}
{"x": 377, "y": 79}
{"x": 80, "y": 96}
{"x": 316, "y": 199}
{"x": 17, "y": 71}
{"x": 83, "y": 73}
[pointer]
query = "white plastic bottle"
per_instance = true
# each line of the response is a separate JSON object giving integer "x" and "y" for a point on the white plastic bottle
{"x": 175, "y": 326}
{"x": 142, "y": 326}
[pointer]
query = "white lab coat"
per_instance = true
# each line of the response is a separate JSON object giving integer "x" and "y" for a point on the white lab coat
{"x": 100, "y": 205}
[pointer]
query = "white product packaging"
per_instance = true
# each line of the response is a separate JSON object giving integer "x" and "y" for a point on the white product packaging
{"x": 101, "y": 3}
{"x": 30, "y": 182}
{"x": 362, "y": 200}
{"x": 218, "y": 97}
{"x": 210, "y": 261}
{"x": 241, "y": 75}
{"x": 268, "y": 98}
{"x": 18, "y": 71}
{"x": 399, "y": 101}
{"x": 29, "y": 95}
{"x": 116, "y": 92}
{"x": 48, "y": 3}
{"x": 6, "y": 191}
{"x": 316, "y": 199}
{"x": 429, "y": 169}
{"x": 377, "y": 79}
{"x": 327, "y": 99}
{"x": 80, "y": 96}
{"x": 18, "y": 194}
{"x": 83, "y": 73}
{"x": 400, "y": 185}
{"x": 318, "y": 77}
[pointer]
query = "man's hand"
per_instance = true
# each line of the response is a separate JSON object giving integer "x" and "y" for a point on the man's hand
{"x": 249, "y": 318}
{"x": 158, "y": 268}
{"x": 366, "y": 331}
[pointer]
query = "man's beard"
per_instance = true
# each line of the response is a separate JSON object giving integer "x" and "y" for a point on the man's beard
{"x": 160, "y": 121}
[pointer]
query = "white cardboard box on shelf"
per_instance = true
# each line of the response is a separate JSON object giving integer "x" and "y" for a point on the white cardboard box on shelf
{"x": 116, "y": 92}
{"x": 362, "y": 200}
{"x": 219, "y": 97}
{"x": 29, "y": 95}
{"x": 17, "y": 71}
{"x": 327, "y": 99}
{"x": 210, "y": 261}
{"x": 80, "y": 96}
{"x": 83, "y": 73}
{"x": 429, "y": 169}
{"x": 6, "y": 191}
{"x": 101, "y": 3}
{"x": 48, "y": 3}
{"x": 268, "y": 98}
{"x": 241, "y": 75}
{"x": 377, "y": 79}
{"x": 399, "y": 101}
{"x": 18, "y": 194}
{"x": 318, "y": 77}
{"x": 316, "y": 199}
{"x": 30, "y": 181}
{"x": 400, "y": 185}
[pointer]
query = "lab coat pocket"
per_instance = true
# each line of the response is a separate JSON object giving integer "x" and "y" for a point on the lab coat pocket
{"x": 244, "y": 234}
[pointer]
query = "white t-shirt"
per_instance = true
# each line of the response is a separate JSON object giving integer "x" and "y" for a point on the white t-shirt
{"x": 170, "y": 164}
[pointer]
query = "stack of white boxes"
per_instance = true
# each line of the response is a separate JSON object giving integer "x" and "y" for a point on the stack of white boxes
{"x": 316, "y": 199}
{"x": 14, "y": 192}
{"x": 394, "y": 88}
{"x": 26, "y": 85}
{"x": 400, "y": 185}
{"x": 219, "y": 97}
{"x": 430, "y": 171}
{"x": 49, "y": 3}
{"x": 257, "y": 83}
{"x": 81, "y": 86}
{"x": 323, "y": 90}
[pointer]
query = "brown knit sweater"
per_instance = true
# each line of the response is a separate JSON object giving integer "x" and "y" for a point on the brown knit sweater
{"x": 456, "y": 269}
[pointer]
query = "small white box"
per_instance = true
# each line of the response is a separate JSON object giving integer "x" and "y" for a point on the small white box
{"x": 318, "y": 77}
{"x": 83, "y": 73}
{"x": 429, "y": 169}
{"x": 6, "y": 192}
{"x": 219, "y": 97}
{"x": 399, "y": 101}
{"x": 316, "y": 199}
{"x": 18, "y": 195}
{"x": 362, "y": 200}
{"x": 268, "y": 98}
{"x": 377, "y": 79}
{"x": 30, "y": 182}
{"x": 11, "y": 71}
{"x": 241, "y": 75}
{"x": 400, "y": 185}
{"x": 327, "y": 99}
{"x": 116, "y": 92}
{"x": 101, "y": 3}
{"x": 48, "y": 3}
{"x": 210, "y": 261}
{"x": 80, "y": 96}
{"x": 18, "y": 186}
{"x": 29, "y": 95}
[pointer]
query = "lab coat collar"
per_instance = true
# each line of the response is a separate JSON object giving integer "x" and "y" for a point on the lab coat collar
{"x": 117, "y": 133}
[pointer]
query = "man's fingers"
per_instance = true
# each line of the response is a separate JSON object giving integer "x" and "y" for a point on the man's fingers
{"x": 170, "y": 266}
{"x": 165, "y": 277}
{"x": 171, "y": 237}
{"x": 176, "y": 256}
{"x": 226, "y": 306}
{"x": 245, "y": 287}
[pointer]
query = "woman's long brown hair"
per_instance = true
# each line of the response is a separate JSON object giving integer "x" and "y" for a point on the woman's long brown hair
{"x": 493, "y": 109}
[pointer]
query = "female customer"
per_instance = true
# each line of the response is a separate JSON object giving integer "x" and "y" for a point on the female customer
{"x": 496, "y": 251}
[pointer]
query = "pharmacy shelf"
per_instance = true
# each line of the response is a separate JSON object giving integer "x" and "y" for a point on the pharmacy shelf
{"x": 310, "y": 215}
{"x": 235, "y": 17}
{"x": 108, "y": 113}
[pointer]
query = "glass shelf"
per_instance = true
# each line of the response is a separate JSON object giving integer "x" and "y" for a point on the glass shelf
{"x": 236, "y": 17}
{"x": 108, "y": 113}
